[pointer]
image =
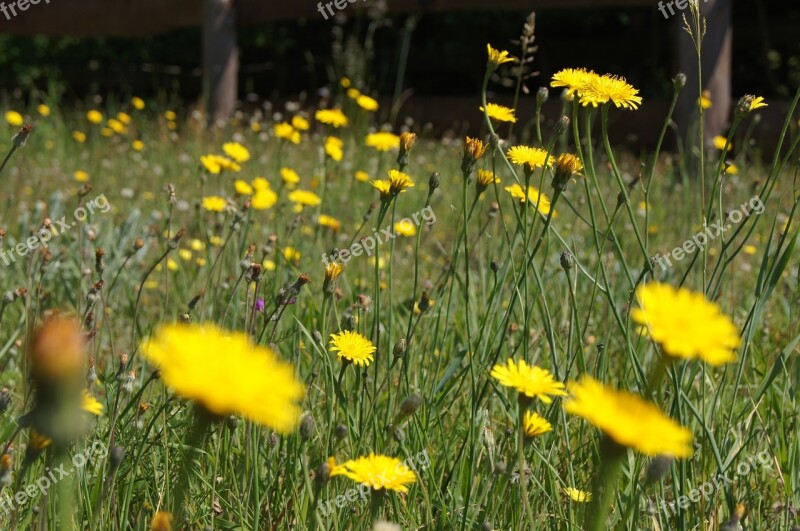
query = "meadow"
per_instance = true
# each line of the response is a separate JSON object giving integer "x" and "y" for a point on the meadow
{"x": 301, "y": 319}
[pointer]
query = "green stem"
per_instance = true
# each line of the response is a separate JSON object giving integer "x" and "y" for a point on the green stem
{"x": 604, "y": 487}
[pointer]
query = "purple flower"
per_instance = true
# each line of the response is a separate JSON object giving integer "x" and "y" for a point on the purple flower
{"x": 260, "y": 305}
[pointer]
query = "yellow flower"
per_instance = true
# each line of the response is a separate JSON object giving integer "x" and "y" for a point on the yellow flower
{"x": 260, "y": 183}
{"x": 162, "y": 521}
{"x": 305, "y": 198}
{"x": 530, "y": 157}
{"x": 170, "y": 116}
{"x": 264, "y": 199}
{"x": 79, "y": 136}
{"x": 474, "y": 149}
{"x": 379, "y": 472}
{"x": 686, "y": 324}
{"x": 236, "y": 151}
{"x": 300, "y": 123}
{"x": 227, "y": 373}
{"x": 116, "y": 126}
{"x": 720, "y": 142}
{"x": 14, "y": 118}
{"x": 362, "y": 176}
{"x": 353, "y": 347}
{"x": 81, "y": 176}
{"x": 750, "y": 249}
{"x": 216, "y": 241}
{"x": 705, "y": 100}
{"x": 289, "y": 176}
{"x": 600, "y": 90}
{"x": 534, "y": 197}
{"x": 757, "y": 103}
{"x": 172, "y": 265}
{"x": 94, "y": 116}
{"x": 531, "y": 381}
{"x": 367, "y": 103}
{"x": 499, "y": 113}
{"x": 285, "y": 131}
{"x": 628, "y": 419}
{"x": 578, "y": 495}
{"x": 185, "y": 254}
{"x": 242, "y": 188}
{"x": 215, "y": 203}
{"x": 405, "y": 227}
{"x": 291, "y": 254}
{"x": 124, "y": 118}
{"x": 497, "y": 57}
{"x": 399, "y": 182}
{"x": 333, "y": 148}
{"x": 269, "y": 265}
{"x": 37, "y": 441}
{"x": 383, "y": 141}
{"x": 535, "y": 425}
{"x": 211, "y": 164}
{"x": 731, "y": 169}
{"x": 572, "y": 79}
{"x": 353, "y": 93}
{"x": 138, "y": 103}
{"x": 566, "y": 166}
{"x": 485, "y": 179}
{"x": 197, "y": 245}
{"x": 333, "y": 117}
{"x": 137, "y": 145}
{"x": 328, "y": 221}
{"x": 43, "y": 109}
{"x": 345, "y": 82}
{"x": 90, "y": 404}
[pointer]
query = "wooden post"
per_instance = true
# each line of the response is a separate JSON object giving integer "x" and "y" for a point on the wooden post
{"x": 716, "y": 62}
{"x": 220, "y": 59}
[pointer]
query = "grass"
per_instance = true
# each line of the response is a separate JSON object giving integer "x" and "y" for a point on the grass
{"x": 505, "y": 282}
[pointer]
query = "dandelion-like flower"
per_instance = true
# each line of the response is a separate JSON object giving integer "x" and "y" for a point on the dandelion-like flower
{"x": 530, "y": 381}
{"x": 285, "y": 131}
{"x": 300, "y": 123}
{"x": 577, "y": 495}
{"x": 14, "y": 118}
{"x": 332, "y": 117}
{"x": 485, "y": 179}
{"x": 499, "y": 113}
{"x": 532, "y": 196}
{"x": 305, "y": 198}
{"x": 628, "y": 419}
{"x": 496, "y": 57}
{"x": 334, "y": 148}
{"x": 215, "y": 203}
{"x": 397, "y": 183}
{"x": 227, "y": 373}
{"x": 566, "y": 166}
{"x": 379, "y": 472}
{"x": 236, "y": 151}
{"x": 367, "y": 103}
{"x": 353, "y": 347}
{"x": 599, "y": 90}
{"x": 535, "y": 425}
{"x": 90, "y": 404}
{"x": 289, "y": 176}
{"x": 686, "y": 324}
{"x": 529, "y": 157}
{"x": 382, "y": 141}
{"x": 405, "y": 227}
{"x": 572, "y": 79}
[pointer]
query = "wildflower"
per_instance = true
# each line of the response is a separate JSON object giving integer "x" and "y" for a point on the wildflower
{"x": 529, "y": 381}
{"x": 170, "y": 116}
{"x": 138, "y": 103}
{"x": 533, "y": 196}
{"x": 705, "y": 100}
{"x": 215, "y": 203}
{"x": 285, "y": 131}
{"x": 572, "y": 79}
{"x": 566, "y": 166}
{"x": 353, "y": 347}
{"x": 329, "y": 221}
{"x": 750, "y": 103}
{"x": 379, "y": 472}
{"x": 496, "y": 57}
{"x": 137, "y": 145}
{"x": 289, "y": 176}
{"x": 499, "y": 113}
{"x": 397, "y": 183}
{"x": 291, "y": 254}
{"x": 345, "y": 82}
{"x": 236, "y": 151}
{"x": 535, "y": 425}
{"x": 353, "y": 93}
{"x": 162, "y": 521}
{"x": 367, "y": 103}
{"x": 628, "y": 419}
{"x": 263, "y": 199}
{"x": 332, "y": 117}
{"x": 79, "y": 136}
{"x": 211, "y": 164}
{"x": 300, "y": 123}
{"x": 81, "y": 176}
{"x": 405, "y": 227}
{"x": 116, "y": 126}
{"x": 686, "y": 324}
{"x": 720, "y": 142}
{"x": 305, "y": 198}
{"x": 197, "y": 245}
{"x": 474, "y": 149}
{"x": 94, "y": 116}
{"x": 242, "y": 187}
{"x": 362, "y": 176}
{"x": 58, "y": 351}
{"x": 485, "y": 179}
{"x": 43, "y": 109}
{"x": 530, "y": 157}
{"x": 332, "y": 272}
{"x": 333, "y": 148}
{"x": 248, "y": 379}
{"x": 90, "y": 404}
{"x": 185, "y": 254}
{"x": 382, "y": 141}
{"x": 577, "y": 495}
{"x": 750, "y": 249}
{"x": 602, "y": 89}
{"x": 14, "y": 118}
{"x": 124, "y": 118}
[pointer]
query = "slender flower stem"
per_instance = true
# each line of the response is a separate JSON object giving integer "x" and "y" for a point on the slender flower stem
{"x": 523, "y": 487}
{"x": 604, "y": 486}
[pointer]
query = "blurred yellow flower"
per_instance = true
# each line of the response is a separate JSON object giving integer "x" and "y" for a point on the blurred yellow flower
{"x": 170, "y": 116}
{"x": 215, "y": 203}
{"x": 236, "y": 151}
{"x": 289, "y": 176}
{"x": 330, "y": 222}
{"x": 94, "y": 116}
{"x": 367, "y": 103}
{"x": 137, "y": 145}
{"x": 269, "y": 265}
{"x": 705, "y": 100}
{"x": 79, "y": 136}
{"x": 578, "y": 495}
{"x": 300, "y": 123}
{"x": 43, "y": 109}
{"x": 81, "y": 176}
{"x": 14, "y": 118}
{"x": 530, "y": 381}
{"x": 260, "y": 183}
{"x": 333, "y": 148}
{"x": 90, "y": 404}
{"x": 305, "y": 198}
{"x": 248, "y": 379}
{"x": 333, "y": 117}
{"x": 291, "y": 254}
{"x": 264, "y": 199}
{"x": 185, "y": 255}
{"x": 750, "y": 249}
{"x": 285, "y": 131}
{"x": 628, "y": 419}
{"x": 382, "y": 141}
{"x": 720, "y": 142}
{"x": 353, "y": 93}
{"x": 124, "y": 118}
{"x": 533, "y": 197}
{"x": 242, "y": 187}
{"x": 378, "y": 472}
{"x": 405, "y": 227}
{"x": 362, "y": 176}
{"x": 116, "y": 126}
{"x": 499, "y": 113}
{"x": 138, "y": 103}
{"x": 197, "y": 245}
